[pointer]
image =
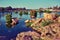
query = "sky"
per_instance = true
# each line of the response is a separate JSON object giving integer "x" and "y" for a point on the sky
{"x": 29, "y": 4}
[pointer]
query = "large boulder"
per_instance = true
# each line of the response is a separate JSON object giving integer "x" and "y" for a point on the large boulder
{"x": 14, "y": 21}
{"x": 50, "y": 16}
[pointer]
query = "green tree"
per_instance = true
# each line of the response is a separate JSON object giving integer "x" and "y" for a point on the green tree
{"x": 47, "y": 11}
{"x": 21, "y": 13}
{"x": 8, "y": 20}
{"x": 33, "y": 13}
{"x": 26, "y": 12}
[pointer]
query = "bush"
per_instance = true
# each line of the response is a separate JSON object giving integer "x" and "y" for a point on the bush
{"x": 33, "y": 13}
{"x": 47, "y": 11}
{"x": 46, "y": 22}
{"x": 28, "y": 24}
{"x": 26, "y": 12}
{"x": 21, "y": 13}
{"x": 8, "y": 20}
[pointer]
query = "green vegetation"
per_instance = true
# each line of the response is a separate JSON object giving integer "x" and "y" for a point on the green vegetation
{"x": 57, "y": 15}
{"x": 47, "y": 11}
{"x": 26, "y": 12}
{"x": 37, "y": 27}
{"x": 8, "y": 20}
{"x": 33, "y": 13}
{"x": 3, "y": 9}
{"x": 40, "y": 10}
{"x": 16, "y": 12}
{"x": 28, "y": 24}
{"x": 21, "y": 13}
{"x": 46, "y": 22}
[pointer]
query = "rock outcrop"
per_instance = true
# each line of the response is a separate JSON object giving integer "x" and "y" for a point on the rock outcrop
{"x": 50, "y": 16}
{"x": 30, "y": 35}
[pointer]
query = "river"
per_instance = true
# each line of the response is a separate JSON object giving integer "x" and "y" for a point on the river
{"x": 11, "y": 33}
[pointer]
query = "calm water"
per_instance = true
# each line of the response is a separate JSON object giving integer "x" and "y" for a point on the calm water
{"x": 8, "y": 34}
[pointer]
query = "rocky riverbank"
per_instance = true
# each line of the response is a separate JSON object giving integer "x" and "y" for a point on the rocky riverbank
{"x": 51, "y": 32}
{"x": 46, "y": 28}
{"x": 30, "y": 35}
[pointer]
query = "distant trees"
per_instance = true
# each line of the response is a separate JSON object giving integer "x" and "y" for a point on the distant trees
{"x": 26, "y": 12}
{"x": 9, "y": 8}
{"x": 47, "y": 11}
{"x": 40, "y": 10}
{"x": 8, "y": 20}
{"x": 2, "y": 10}
{"x": 21, "y": 13}
{"x": 33, "y": 13}
{"x": 16, "y": 12}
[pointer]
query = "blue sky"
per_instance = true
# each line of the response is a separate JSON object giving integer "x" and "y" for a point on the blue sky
{"x": 31, "y": 4}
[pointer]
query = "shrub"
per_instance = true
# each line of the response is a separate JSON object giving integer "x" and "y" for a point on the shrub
{"x": 46, "y": 22}
{"x": 28, "y": 24}
{"x": 8, "y": 20}
{"x": 47, "y": 11}
{"x": 33, "y": 13}
{"x": 26, "y": 12}
{"x": 21, "y": 13}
